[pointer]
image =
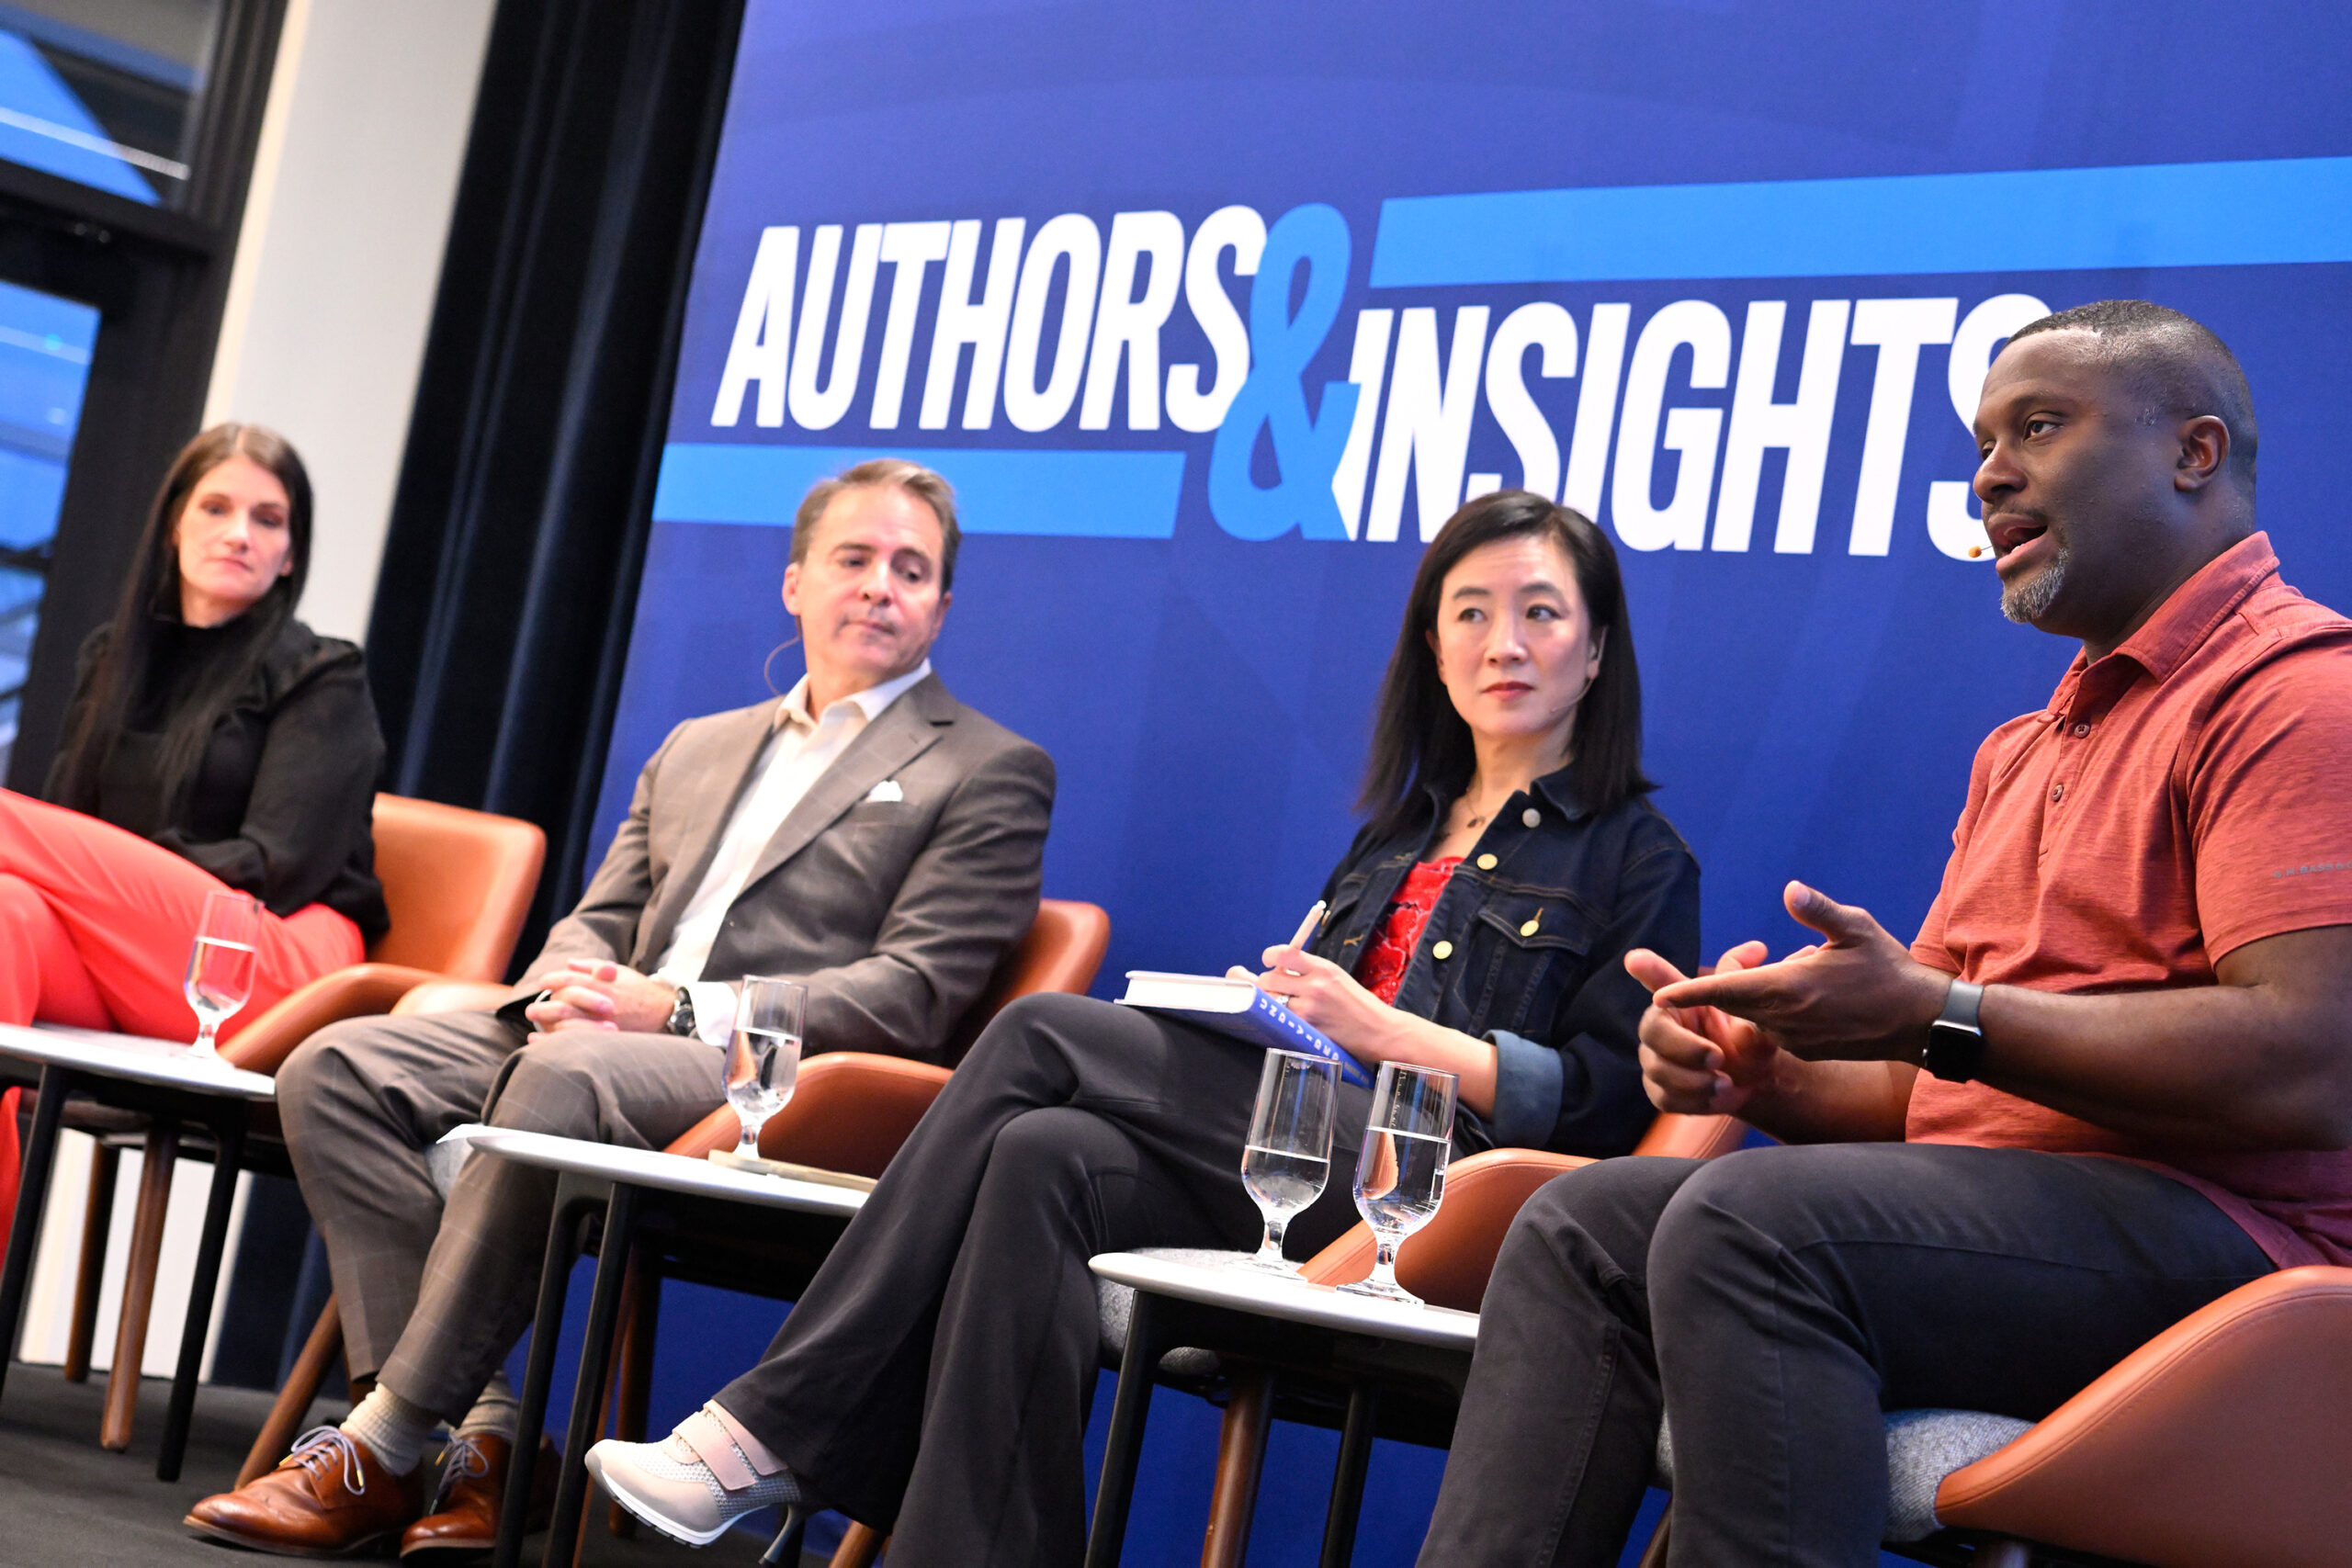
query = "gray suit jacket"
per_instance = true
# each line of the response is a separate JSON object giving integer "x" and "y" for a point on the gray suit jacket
{"x": 894, "y": 912}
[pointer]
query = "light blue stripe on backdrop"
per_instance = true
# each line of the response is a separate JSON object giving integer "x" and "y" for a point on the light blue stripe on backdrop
{"x": 1095, "y": 495}
{"x": 2233, "y": 214}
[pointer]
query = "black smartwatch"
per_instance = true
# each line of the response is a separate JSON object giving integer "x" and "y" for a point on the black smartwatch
{"x": 682, "y": 1014}
{"x": 1955, "y": 1040}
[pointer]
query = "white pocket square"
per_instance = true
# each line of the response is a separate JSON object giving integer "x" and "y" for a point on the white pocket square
{"x": 888, "y": 790}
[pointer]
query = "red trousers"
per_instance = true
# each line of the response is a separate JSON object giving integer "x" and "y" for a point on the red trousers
{"x": 96, "y": 925}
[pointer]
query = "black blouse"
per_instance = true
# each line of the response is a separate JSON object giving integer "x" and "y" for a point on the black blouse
{"x": 280, "y": 803}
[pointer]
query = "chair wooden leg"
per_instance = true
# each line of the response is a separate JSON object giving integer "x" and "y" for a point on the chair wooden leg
{"x": 861, "y": 1547}
{"x": 121, "y": 1412}
{"x": 633, "y": 1369}
{"x": 1653, "y": 1555}
{"x": 284, "y": 1422}
{"x": 97, "y": 1221}
{"x": 1241, "y": 1460}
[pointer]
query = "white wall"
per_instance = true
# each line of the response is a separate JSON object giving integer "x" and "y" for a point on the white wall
{"x": 340, "y": 257}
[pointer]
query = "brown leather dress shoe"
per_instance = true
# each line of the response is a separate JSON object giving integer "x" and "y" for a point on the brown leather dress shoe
{"x": 330, "y": 1497}
{"x": 464, "y": 1517}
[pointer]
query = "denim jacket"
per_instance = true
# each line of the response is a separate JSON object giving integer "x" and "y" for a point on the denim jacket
{"x": 1526, "y": 949}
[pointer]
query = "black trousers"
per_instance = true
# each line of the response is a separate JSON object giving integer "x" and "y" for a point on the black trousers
{"x": 934, "y": 1381}
{"x": 1773, "y": 1303}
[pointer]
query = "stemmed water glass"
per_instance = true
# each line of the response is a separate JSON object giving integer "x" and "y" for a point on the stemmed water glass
{"x": 1288, "y": 1157}
{"x": 220, "y": 965}
{"x": 763, "y": 1055}
{"x": 1400, "y": 1175}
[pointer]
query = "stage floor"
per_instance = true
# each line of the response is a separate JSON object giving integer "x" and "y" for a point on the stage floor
{"x": 63, "y": 1500}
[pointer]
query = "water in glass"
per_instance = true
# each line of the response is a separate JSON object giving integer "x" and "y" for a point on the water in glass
{"x": 1400, "y": 1174}
{"x": 221, "y": 963}
{"x": 1287, "y": 1158}
{"x": 763, "y": 1056}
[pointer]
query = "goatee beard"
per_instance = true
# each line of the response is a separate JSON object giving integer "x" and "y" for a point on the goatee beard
{"x": 2027, "y": 601}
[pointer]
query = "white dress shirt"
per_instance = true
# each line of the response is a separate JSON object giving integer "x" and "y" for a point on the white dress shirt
{"x": 796, "y": 756}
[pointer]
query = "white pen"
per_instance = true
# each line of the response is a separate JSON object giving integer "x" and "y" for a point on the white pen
{"x": 1309, "y": 926}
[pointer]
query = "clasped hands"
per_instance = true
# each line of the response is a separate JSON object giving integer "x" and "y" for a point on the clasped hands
{"x": 586, "y": 993}
{"x": 1710, "y": 1045}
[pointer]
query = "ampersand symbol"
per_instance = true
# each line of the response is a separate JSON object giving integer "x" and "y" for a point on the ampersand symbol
{"x": 1274, "y": 398}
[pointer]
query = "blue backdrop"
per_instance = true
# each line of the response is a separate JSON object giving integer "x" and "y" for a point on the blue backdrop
{"x": 1212, "y": 312}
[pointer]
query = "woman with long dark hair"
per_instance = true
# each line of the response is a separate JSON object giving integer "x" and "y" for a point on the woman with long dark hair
{"x": 934, "y": 1379}
{"x": 213, "y": 741}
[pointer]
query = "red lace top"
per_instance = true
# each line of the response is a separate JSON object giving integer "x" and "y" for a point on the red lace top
{"x": 1386, "y": 956}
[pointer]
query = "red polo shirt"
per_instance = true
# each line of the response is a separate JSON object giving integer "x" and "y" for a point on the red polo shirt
{"x": 2188, "y": 794}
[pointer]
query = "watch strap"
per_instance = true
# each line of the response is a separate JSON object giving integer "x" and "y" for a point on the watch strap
{"x": 681, "y": 1013}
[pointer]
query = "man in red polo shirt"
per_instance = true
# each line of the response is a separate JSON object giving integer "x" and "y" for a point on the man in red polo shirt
{"x": 2141, "y": 954}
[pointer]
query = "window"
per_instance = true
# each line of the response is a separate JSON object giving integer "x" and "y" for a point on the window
{"x": 106, "y": 93}
{"x": 45, "y": 343}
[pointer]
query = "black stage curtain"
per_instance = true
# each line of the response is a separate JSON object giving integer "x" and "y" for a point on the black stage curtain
{"x": 510, "y": 568}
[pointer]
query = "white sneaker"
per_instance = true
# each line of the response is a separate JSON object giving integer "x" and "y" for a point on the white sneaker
{"x": 693, "y": 1485}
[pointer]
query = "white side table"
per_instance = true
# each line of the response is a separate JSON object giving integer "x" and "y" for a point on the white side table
{"x": 630, "y": 1188}
{"x": 1362, "y": 1344}
{"x": 160, "y": 1078}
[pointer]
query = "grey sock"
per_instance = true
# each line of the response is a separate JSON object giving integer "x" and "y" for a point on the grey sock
{"x": 394, "y": 1430}
{"x": 497, "y": 1411}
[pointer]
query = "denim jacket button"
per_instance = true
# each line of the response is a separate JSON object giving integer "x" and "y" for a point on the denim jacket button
{"x": 1531, "y": 816}
{"x": 1441, "y": 951}
{"x": 1487, "y": 863}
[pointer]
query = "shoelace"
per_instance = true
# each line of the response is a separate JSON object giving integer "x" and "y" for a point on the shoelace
{"x": 463, "y": 1458}
{"x": 321, "y": 1446}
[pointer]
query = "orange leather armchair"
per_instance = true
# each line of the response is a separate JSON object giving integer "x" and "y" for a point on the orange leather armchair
{"x": 850, "y": 1109}
{"x": 457, "y": 885}
{"x": 2220, "y": 1443}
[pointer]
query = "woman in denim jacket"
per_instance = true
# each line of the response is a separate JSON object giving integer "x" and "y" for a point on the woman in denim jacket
{"x": 933, "y": 1381}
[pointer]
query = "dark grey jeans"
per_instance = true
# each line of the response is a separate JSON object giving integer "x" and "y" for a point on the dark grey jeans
{"x": 1773, "y": 1303}
{"x": 935, "y": 1378}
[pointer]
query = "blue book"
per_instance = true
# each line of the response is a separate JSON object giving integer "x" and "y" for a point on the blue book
{"x": 1240, "y": 1009}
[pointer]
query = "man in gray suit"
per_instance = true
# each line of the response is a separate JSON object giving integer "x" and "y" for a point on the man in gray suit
{"x": 868, "y": 835}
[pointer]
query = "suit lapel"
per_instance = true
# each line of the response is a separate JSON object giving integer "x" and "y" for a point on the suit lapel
{"x": 711, "y": 794}
{"x": 907, "y": 729}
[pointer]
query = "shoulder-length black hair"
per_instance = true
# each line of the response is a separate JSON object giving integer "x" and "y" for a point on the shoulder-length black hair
{"x": 1418, "y": 739}
{"x": 152, "y": 594}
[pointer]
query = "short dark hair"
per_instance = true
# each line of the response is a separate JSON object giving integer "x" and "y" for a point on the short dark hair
{"x": 2175, "y": 361}
{"x": 150, "y": 594}
{"x": 1420, "y": 741}
{"x": 884, "y": 473}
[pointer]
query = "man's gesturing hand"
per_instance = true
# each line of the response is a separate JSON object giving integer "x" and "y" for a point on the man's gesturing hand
{"x": 589, "y": 994}
{"x": 1700, "y": 1061}
{"x": 1857, "y": 995}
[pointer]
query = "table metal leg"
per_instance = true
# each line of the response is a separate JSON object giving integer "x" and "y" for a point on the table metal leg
{"x": 595, "y": 1363}
{"x": 1123, "y": 1450}
{"x": 32, "y": 1195}
{"x": 227, "y": 1159}
{"x": 575, "y": 1198}
{"x": 1347, "y": 1483}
